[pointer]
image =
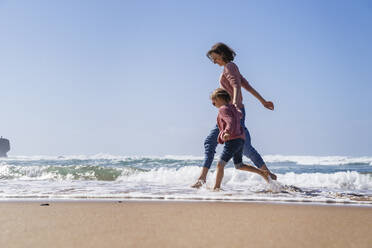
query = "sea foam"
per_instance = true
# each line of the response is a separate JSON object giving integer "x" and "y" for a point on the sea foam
{"x": 300, "y": 178}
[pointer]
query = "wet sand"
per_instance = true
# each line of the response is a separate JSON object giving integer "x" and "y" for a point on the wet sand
{"x": 182, "y": 224}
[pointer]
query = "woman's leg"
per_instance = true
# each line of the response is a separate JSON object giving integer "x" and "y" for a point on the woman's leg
{"x": 238, "y": 162}
{"x": 210, "y": 145}
{"x": 250, "y": 152}
{"x": 250, "y": 168}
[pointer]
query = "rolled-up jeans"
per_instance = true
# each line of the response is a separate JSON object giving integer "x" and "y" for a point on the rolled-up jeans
{"x": 210, "y": 145}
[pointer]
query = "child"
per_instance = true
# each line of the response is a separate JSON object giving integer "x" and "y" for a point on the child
{"x": 232, "y": 134}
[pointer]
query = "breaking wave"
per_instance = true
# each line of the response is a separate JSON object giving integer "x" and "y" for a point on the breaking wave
{"x": 300, "y": 178}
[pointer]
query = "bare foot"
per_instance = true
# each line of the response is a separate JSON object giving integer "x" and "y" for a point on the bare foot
{"x": 198, "y": 184}
{"x": 272, "y": 175}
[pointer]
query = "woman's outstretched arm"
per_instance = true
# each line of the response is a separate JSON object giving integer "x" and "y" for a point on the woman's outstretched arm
{"x": 250, "y": 89}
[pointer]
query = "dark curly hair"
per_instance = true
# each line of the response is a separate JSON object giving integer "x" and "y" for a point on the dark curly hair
{"x": 222, "y": 49}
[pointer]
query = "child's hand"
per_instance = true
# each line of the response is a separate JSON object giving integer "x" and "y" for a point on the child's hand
{"x": 226, "y": 136}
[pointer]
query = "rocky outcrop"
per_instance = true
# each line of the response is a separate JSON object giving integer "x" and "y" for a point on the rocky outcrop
{"x": 4, "y": 147}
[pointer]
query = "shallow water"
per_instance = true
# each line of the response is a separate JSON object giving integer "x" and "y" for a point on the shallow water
{"x": 309, "y": 179}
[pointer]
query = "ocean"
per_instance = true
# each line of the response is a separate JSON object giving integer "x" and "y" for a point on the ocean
{"x": 301, "y": 179}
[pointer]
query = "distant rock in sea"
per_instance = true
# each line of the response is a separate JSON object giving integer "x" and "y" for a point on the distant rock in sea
{"x": 4, "y": 147}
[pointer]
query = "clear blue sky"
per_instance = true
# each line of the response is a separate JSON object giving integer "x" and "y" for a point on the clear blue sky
{"x": 132, "y": 78}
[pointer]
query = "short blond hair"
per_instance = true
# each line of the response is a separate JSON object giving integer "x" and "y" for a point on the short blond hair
{"x": 222, "y": 94}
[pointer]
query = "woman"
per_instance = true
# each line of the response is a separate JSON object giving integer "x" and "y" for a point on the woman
{"x": 231, "y": 80}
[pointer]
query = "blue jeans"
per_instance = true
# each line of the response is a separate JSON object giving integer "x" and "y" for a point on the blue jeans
{"x": 210, "y": 145}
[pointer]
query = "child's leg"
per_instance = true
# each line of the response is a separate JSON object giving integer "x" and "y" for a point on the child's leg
{"x": 220, "y": 172}
{"x": 228, "y": 152}
{"x": 238, "y": 162}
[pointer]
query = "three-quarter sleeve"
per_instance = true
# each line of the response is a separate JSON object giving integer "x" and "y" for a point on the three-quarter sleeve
{"x": 232, "y": 74}
{"x": 245, "y": 83}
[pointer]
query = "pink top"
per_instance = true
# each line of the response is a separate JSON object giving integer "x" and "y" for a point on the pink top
{"x": 228, "y": 121}
{"x": 231, "y": 78}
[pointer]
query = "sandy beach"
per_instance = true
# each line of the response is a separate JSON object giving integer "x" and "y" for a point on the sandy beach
{"x": 182, "y": 224}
